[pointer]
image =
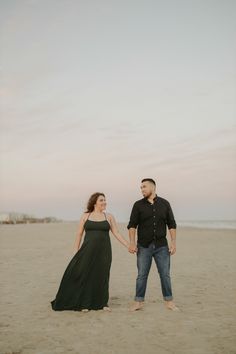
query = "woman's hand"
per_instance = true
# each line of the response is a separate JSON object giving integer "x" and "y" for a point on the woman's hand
{"x": 132, "y": 248}
{"x": 74, "y": 251}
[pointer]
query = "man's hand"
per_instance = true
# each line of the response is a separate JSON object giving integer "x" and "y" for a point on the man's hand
{"x": 172, "y": 247}
{"x": 132, "y": 248}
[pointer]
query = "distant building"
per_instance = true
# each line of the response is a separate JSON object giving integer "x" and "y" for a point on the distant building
{"x": 19, "y": 218}
{"x": 4, "y": 218}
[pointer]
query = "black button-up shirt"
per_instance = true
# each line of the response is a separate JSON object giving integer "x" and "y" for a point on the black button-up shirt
{"x": 152, "y": 221}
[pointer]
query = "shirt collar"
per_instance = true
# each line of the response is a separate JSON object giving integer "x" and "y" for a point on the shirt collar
{"x": 146, "y": 199}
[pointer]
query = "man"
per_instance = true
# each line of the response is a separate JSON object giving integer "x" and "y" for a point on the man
{"x": 152, "y": 215}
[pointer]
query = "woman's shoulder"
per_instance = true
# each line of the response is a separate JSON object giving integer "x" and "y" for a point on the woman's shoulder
{"x": 110, "y": 216}
{"x": 84, "y": 216}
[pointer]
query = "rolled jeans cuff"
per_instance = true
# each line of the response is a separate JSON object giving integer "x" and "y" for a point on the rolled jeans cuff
{"x": 138, "y": 298}
{"x": 168, "y": 298}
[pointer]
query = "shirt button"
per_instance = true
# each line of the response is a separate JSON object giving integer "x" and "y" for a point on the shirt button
{"x": 154, "y": 216}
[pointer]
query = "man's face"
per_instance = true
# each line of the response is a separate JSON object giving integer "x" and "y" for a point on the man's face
{"x": 147, "y": 188}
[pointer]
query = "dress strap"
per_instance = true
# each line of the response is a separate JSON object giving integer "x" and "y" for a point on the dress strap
{"x": 107, "y": 219}
{"x": 88, "y": 217}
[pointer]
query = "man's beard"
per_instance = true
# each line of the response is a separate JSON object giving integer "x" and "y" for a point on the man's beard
{"x": 148, "y": 195}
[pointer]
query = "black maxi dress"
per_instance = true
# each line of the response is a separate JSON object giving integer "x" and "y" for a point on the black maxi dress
{"x": 85, "y": 282}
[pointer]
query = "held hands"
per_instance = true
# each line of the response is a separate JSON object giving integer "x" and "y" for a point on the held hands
{"x": 132, "y": 248}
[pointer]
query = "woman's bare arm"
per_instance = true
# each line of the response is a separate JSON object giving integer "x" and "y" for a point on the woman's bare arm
{"x": 80, "y": 232}
{"x": 116, "y": 232}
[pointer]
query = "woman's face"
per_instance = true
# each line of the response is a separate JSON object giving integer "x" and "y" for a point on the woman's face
{"x": 101, "y": 203}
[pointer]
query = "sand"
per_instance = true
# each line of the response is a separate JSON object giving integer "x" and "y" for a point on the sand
{"x": 34, "y": 257}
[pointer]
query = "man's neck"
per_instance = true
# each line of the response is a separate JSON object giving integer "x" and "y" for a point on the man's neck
{"x": 152, "y": 197}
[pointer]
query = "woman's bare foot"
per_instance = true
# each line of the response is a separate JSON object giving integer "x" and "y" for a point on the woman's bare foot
{"x": 137, "y": 305}
{"x": 171, "y": 306}
{"x": 106, "y": 308}
{"x": 85, "y": 310}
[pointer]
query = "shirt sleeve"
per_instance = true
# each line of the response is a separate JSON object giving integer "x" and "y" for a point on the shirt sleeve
{"x": 170, "y": 218}
{"x": 134, "y": 217}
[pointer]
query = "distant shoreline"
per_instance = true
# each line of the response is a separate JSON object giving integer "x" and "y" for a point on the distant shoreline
{"x": 180, "y": 226}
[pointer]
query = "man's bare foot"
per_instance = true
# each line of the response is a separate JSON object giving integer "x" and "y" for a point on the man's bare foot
{"x": 106, "y": 308}
{"x": 171, "y": 306}
{"x": 137, "y": 305}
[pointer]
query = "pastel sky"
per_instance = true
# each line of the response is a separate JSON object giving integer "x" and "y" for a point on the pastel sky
{"x": 99, "y": 94}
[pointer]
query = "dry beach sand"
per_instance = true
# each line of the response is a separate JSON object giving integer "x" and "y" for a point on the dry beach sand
{"x": 34, "y": 257}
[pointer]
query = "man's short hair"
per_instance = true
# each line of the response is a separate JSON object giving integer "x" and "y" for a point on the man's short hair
{"x": 149, "y": 180}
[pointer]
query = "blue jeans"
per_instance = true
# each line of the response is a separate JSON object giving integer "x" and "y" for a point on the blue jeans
{"x": 144, "y": 260}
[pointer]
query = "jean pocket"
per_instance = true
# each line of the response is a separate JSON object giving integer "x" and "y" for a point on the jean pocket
{"x": 164, "y": 248}
{"x": 139, "y": 246}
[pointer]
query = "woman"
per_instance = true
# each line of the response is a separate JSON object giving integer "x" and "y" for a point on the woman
{"x": 85, "y": 283}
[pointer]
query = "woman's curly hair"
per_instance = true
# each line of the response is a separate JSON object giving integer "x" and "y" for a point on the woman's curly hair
{"x": 92, "y": 201}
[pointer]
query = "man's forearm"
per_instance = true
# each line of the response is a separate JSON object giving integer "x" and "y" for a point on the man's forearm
{"x": 172, "y": 235}
{"x": 132, "y": 233}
